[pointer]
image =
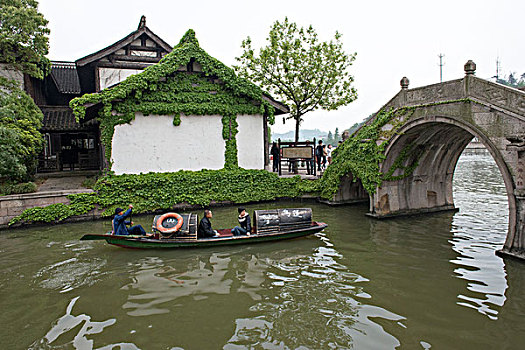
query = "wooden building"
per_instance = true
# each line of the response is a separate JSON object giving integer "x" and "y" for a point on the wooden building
{"x": 70, "y": 145}
{"x": 188, "y": 112}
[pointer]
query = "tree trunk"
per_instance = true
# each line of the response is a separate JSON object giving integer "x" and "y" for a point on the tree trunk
{"x": 297, "y": 122}
{"x": 295, "y": 163}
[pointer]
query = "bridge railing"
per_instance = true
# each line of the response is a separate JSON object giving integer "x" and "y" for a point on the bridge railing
{"x": 491, "y": 94}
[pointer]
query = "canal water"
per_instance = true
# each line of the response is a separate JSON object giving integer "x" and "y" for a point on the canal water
{"x": 426, "y": 282}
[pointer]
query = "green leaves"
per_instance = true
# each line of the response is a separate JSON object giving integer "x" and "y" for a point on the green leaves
{"x": 300, "y": 70}
{"x": 17, "y": 188}
{"x": 11, "y": 155}
{"x": 161, "y": 191}
{"x": 229, "y": 131}
{"x": 20, "y": 140}
{"x": 361, "y": 154}
{"x": 164, "y": 90}
{"x": 24, "y": 41}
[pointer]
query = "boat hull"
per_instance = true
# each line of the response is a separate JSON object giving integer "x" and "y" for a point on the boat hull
{"x": 140, "y": 242}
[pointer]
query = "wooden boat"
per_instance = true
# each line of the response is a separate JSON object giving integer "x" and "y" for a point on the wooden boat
{"x": 269, "y": 225}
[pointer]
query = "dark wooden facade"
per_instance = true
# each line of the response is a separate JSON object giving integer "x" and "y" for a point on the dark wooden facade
{"x": 70, "y": 145}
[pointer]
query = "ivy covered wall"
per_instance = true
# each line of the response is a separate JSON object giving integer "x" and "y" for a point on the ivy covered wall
{"x": 188, "y": 82}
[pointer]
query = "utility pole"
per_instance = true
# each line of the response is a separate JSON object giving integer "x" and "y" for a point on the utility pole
{"x": 441, "y": 64}
{"x": 498, "y": 67}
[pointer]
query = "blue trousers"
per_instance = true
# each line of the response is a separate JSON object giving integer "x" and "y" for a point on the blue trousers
{"x": 237, "y": 231}
{"x": 136, "y": 230}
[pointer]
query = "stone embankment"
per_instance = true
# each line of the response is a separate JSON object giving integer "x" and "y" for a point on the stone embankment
{"x": 53, "y": 189}
{"x": 13, "y": 205}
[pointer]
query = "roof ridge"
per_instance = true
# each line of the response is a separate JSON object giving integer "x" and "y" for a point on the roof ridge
{"x": 142, "y": 29}
{"x": 63, "y": 64}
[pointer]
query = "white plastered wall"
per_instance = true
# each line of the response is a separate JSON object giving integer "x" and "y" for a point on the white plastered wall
{"x": 250, "y": 141}
{"x": 111, "y": 76}
{"x": 153, "y": 144}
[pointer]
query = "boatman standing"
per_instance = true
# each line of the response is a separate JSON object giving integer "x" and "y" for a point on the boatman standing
{"x": 119, "y": 223}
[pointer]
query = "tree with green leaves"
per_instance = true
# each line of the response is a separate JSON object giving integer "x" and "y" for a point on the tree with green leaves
{"x": 11, "y": 155}
{"x": 512, "y": 81}
{"x": 330, "y": 138}
{"x": 300, "y": 70}
{"x": 24, "y": 41}
{"x": 337, "y": 136}
{"x": 20, "y": 140}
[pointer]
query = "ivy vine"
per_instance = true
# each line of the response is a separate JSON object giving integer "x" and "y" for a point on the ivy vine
{"x": 361, "y": 154}
{"x": 229, "y": 131}
{"x": 411, "y": 152}
{"x": 170, "y": 88}
{"x": 162, "y": 191}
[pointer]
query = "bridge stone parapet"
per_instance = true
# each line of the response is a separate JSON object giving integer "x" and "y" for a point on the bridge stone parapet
{"x": 445, "y": 117}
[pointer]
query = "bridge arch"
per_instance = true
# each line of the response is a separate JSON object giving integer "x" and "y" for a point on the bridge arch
{"x": 434, "y": 145}
{"x": 424, "y": 147}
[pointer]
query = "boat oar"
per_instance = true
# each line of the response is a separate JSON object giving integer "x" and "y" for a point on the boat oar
{"x": 93, "y": 237}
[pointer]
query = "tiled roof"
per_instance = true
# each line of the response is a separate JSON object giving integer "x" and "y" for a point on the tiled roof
{"x": 61, "y": 118}
{"x": 65, "y": 76}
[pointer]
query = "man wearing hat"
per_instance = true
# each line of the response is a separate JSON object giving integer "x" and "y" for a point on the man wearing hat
{"x": 119, "y": 223}
{"x": 244, "y": 221}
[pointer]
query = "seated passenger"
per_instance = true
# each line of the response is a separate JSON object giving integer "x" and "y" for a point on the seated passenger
{"x": 244, "y": 221}
{"x": 119, "y": 223}
{"x": 205, "y": 230}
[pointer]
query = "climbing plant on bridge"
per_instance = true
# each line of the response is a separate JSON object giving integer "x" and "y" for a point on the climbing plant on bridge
{"x": 361, "y": 154}
{"x": 172, "y": 87}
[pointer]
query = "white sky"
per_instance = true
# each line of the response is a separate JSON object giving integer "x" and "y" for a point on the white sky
{"x": 392, "y": 38}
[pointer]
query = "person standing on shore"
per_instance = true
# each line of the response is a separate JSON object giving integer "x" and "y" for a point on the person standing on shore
{"x": 329, "y": 154}
{"x": 319, "y": 154}
{"x": 276, "y": 156}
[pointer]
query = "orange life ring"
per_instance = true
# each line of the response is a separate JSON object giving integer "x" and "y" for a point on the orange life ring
{"x": 158, "y": 224}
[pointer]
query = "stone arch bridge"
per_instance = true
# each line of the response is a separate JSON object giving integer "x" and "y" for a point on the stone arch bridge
{"x": 449, "y": 115}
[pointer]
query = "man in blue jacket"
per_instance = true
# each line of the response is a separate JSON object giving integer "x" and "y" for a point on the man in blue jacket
{"x": 119, "y": 223}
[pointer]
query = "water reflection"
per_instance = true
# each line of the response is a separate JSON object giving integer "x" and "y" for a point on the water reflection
{"x": 66, "y": 326}
{"x": 283, "y": 291}
{"x": 478, "y": 231}
{"x": 420, "y": 282}
{"x": 312, "y": 303}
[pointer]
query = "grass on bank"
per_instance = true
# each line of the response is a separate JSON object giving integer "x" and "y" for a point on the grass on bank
{"x": 17, "y": 188}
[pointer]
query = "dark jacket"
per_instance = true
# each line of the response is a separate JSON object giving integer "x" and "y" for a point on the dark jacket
{"x": 205, "y": 229}
{"x": 275, "y": 152}
{"x": 119, "y": 223}
{"x": 319, "y": 151}
{"x": 245, "y": 222}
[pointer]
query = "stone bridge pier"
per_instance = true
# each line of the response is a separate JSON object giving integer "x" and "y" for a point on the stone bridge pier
{"x": 425, "y": 149}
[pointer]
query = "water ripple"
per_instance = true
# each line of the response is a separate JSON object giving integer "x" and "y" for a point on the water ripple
{"x": 479, "y": 229}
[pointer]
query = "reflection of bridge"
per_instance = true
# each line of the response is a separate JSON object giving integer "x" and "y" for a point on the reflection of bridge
{"x": 448, "y": 116}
